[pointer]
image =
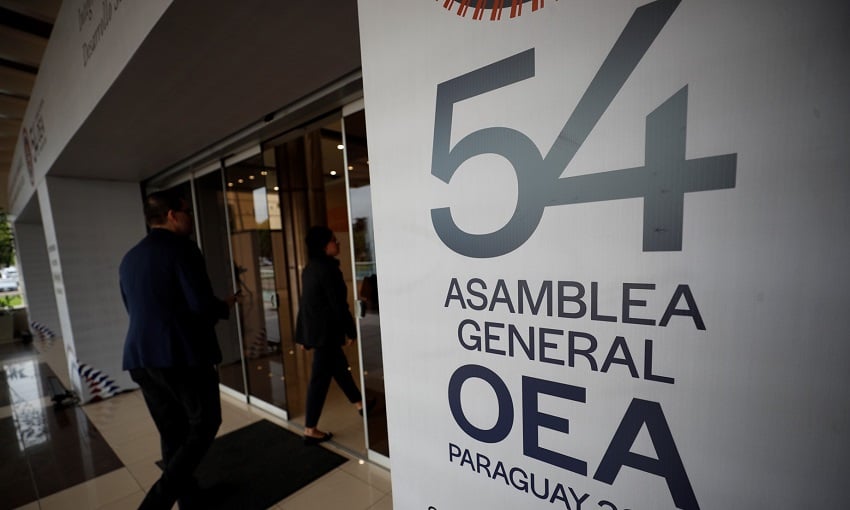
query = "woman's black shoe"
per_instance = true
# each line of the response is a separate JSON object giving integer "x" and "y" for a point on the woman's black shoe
{"x": 310, "y": 440}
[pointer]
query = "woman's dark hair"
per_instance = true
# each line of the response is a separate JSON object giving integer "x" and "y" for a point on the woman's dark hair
{"x": 317, "y": 240}
{"x": 158, "y": 204}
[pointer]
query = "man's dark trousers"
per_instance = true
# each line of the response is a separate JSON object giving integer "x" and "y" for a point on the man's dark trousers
{"x": 185, "y": 406}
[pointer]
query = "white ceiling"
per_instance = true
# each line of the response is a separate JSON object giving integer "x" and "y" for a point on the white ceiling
{"x": 25, "y": 26}
{"x": 207, "y": 69}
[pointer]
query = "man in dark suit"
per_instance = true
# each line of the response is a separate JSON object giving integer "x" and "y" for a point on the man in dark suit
{"x": 171, "y": 348}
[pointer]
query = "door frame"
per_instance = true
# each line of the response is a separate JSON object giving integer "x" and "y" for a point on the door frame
{"x": 351, "y": 108}
{"x": 201, "y": 167}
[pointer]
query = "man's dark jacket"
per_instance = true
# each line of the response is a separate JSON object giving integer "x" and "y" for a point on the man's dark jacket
{"x": 324, "y": 319}
{"x": 172, "y": 307}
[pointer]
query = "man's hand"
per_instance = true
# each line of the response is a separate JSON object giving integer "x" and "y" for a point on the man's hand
{"x": 231, "y": 300}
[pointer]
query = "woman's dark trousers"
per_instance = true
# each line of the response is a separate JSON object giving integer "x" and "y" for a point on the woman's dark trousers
{"x": 328, "y": 363}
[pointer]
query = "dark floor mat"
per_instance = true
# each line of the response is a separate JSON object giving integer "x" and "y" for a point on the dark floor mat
{"x": 258, "y": 465}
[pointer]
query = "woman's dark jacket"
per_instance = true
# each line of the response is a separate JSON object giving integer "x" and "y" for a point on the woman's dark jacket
{"x": 324, "y": 319}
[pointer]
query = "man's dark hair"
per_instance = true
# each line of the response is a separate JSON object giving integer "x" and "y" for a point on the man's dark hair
{"x": 158, "y": 204}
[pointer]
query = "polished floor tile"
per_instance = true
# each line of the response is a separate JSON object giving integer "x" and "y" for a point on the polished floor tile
{"x": 130, "y": 502}
{"x": 384, "y": 504}
{"x": 57, "y": 463}
{"x": 335, "y": 490}
{"x": 16, "y": 484}
{"x": 95, "y": 493}
{"x": 46, "y": 449}
{"x": 145, "y": 471}
{"x": 375, "y": 476}
{"x": 31, "y": 506}
{"x": 137, "y": 449}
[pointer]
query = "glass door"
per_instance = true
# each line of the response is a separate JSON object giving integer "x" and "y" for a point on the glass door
{"x": 310, "y": 164}
{"x": 366, "y": 275}
{"x": 206, "y": 193}
{"x": 253, "y": 211}
{"x": 255, "y": 230}
{"x": 211, "y": 220}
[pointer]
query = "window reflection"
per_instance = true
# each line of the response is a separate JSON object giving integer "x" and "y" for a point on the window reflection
{"x": 255, "y": 231}
{"x": 27, "y": 411}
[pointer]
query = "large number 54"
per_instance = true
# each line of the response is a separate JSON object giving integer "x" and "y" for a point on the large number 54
{"x": 661, "y": 182}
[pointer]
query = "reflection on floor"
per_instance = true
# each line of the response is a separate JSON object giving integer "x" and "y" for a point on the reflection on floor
{"x": 102, "y": 455}
{"x": 265, "y": 382}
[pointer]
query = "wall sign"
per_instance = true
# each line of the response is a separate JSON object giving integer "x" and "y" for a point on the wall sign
{"x": 662, "y": 182}
{"x": 611, "y": 270}
{"x": 90, "y": 43}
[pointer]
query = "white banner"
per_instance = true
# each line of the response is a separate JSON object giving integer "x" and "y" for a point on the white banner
{"x": 613, "y": 241}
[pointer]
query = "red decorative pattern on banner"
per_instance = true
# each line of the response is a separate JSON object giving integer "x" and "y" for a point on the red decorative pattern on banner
{"x": 495, "y": 6}
{"x": 99, "y": 384}
{"x": 45, "y": 337}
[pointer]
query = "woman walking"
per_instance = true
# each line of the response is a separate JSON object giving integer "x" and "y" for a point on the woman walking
{"x": 325, "y": 325}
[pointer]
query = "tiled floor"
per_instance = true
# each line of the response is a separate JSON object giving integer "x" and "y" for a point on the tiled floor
{"x": 124, "y": 425}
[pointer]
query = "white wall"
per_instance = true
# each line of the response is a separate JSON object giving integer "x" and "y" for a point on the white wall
{"x": 744, "y": 408}
{"x": 34, "y": 269}
{"x": 89, "y": 225}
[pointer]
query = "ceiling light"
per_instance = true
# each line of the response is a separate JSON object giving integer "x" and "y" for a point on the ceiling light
{"x": 240, "y": 181}
{"x": 229, "y": 184}
{"x": 264, "y": 173}
{"x": 276, "y": 188}
{"x": 333, "y": 172}
{"x": 251, "y": 177}
{"x": 340, "y": 146}
{"x": 350, "y": 167}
